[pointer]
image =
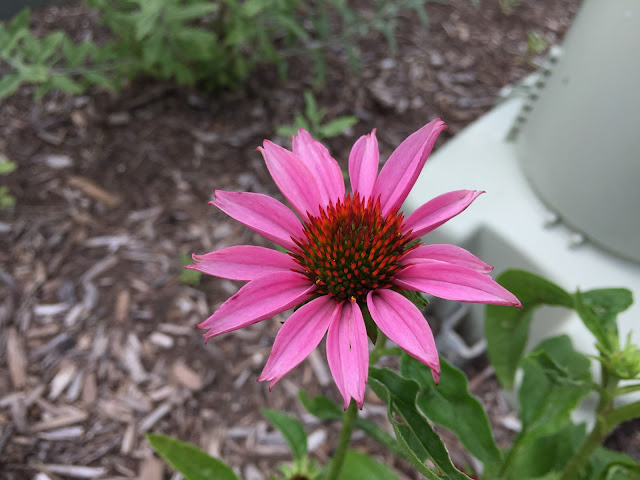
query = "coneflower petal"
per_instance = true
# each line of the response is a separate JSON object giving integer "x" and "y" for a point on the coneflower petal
{"x": 454, "y": 282}
{"x": 400, "y": 172}
{"x": 445, "y": 253}
{"x": 321, "y": 164}
{"x": 262, "y": 214}
{"x": 439, "y": 210}
{"x": 298, "y": 337}
{"x": 294, "y": 179}
{"x": 348, "y": 352}
{"x": 258, "y": 300}
{"x": 242, "y": 262}
{"x": 402, "y": 322}
{"x": 363, "y": 165}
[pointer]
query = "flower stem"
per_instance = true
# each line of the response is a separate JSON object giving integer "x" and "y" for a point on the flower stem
{"x": 602, "y": 428}
{"x": 378, "y": 349}
{"x": 348, "y": 422}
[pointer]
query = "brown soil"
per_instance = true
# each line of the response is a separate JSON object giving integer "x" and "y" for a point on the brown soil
{"x": 97, "y": 340}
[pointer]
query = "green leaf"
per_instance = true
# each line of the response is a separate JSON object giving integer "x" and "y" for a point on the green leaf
{"x": 189, "y": 460}
{"x": 400, "y": 396}
{"x": 599, "y": 309}
{"x": 33, "y": 73}
{"x": 507, "y": 328}
{"x": 6, "y": 165}
{"x": 607, "y": 464}
{"x": 66, "y": 84}
{"x": 147, "y": 18}
{"x": 292, "y": 431}
{"x": 50, "y": 45}
{"x": 324, "y": 408}
{"x": 9, "y": 83}
{"x": 556, "y": 373}
{"x": 320, "y": 406}
{"x": 20, "y": 22}
{"x": 358, "y": 465}
{"x": 182, "y": 13}
{"x": 548, "y": 453}
{"x": 546, "y": 404}
{"x": 100, "y": 80}
{"x": 449, "y": 402}
{"x": 6, "y": 199}
{"x": 337, "y": 126}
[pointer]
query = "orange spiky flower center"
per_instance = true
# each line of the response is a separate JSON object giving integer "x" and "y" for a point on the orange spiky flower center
{"x": 350, "y": 248}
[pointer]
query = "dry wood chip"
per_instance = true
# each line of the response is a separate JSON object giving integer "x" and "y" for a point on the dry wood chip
{"x": 74, "y": 315}
{"x": 75, "y": 388}
{"x": 150, "y": 420}
{"x": 70, "y": 416}
{"x": 316, "y": 439}
{"x": 75, "y": 471}
{"x": 19, "y": 415}
{"x": 112, "y": 242}
{"x": 17, "y": 359}
{"x": 241, "y": 379}
{"x": 62, "y": 379}
{"x": 66, "y": 433}
{"x": 151, "y": 469}
{"x": 128, "y": 439}
{"x": 10, "y": 398}
{"x": 187, "y": 376}
{"x": 161, "y": 340}
{"x": 123, "y": 302}
{"x": 130, "y": 361}
{"x": 42, "y": 476}
{"x": 162, "y": 393}
{"x": 90, "y": 389}
{"x": 94, "y": 191}
{"x": 116, "y": 410}
{"x": 213, "y": 441}
{"x": 51, "y": 309}
{"x": 99, "y": 268}
{"x": 251, "y": 472}
{"x": 176, "y": 329}
{"x": 43, "y": 331}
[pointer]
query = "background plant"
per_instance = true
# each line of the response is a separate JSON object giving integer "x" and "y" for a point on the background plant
{"x": 7, "y": 200}
{"x": 210, "y": 44}
{"x": 312, "y": 118}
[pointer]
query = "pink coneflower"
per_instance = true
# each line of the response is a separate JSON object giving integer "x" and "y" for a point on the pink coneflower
{"x": 345, "y": 253}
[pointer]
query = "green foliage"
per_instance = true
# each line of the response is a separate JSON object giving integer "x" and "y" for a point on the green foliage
{"x": 189, "y": 460}
{"x": 6, "y": 165}
{"x": 312, "y": 121}
{"x": 599, "y": 309}
{"x": 188, "y": 276}
{"x": 209, "y": 44}
{"x": 507, "y": 328}
{"x": 449, "y": 401}
{"x": 324, "y": 408}
{"x": 536, "y": 43}
{"x": 49, "y": 62}
{"x": 507, "y": 5}
{"x": 358, "y": 465}
{"x": 555, "y": 379}
{"x": 7, "y": 200}
{"x": 415, "y": 434}
{"x": 291, "y": 429}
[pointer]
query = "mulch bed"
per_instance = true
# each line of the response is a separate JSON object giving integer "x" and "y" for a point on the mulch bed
{"x": 97, "y": 340}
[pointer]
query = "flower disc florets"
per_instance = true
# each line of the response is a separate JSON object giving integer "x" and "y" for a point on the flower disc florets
{"x": 350, "y": 248}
